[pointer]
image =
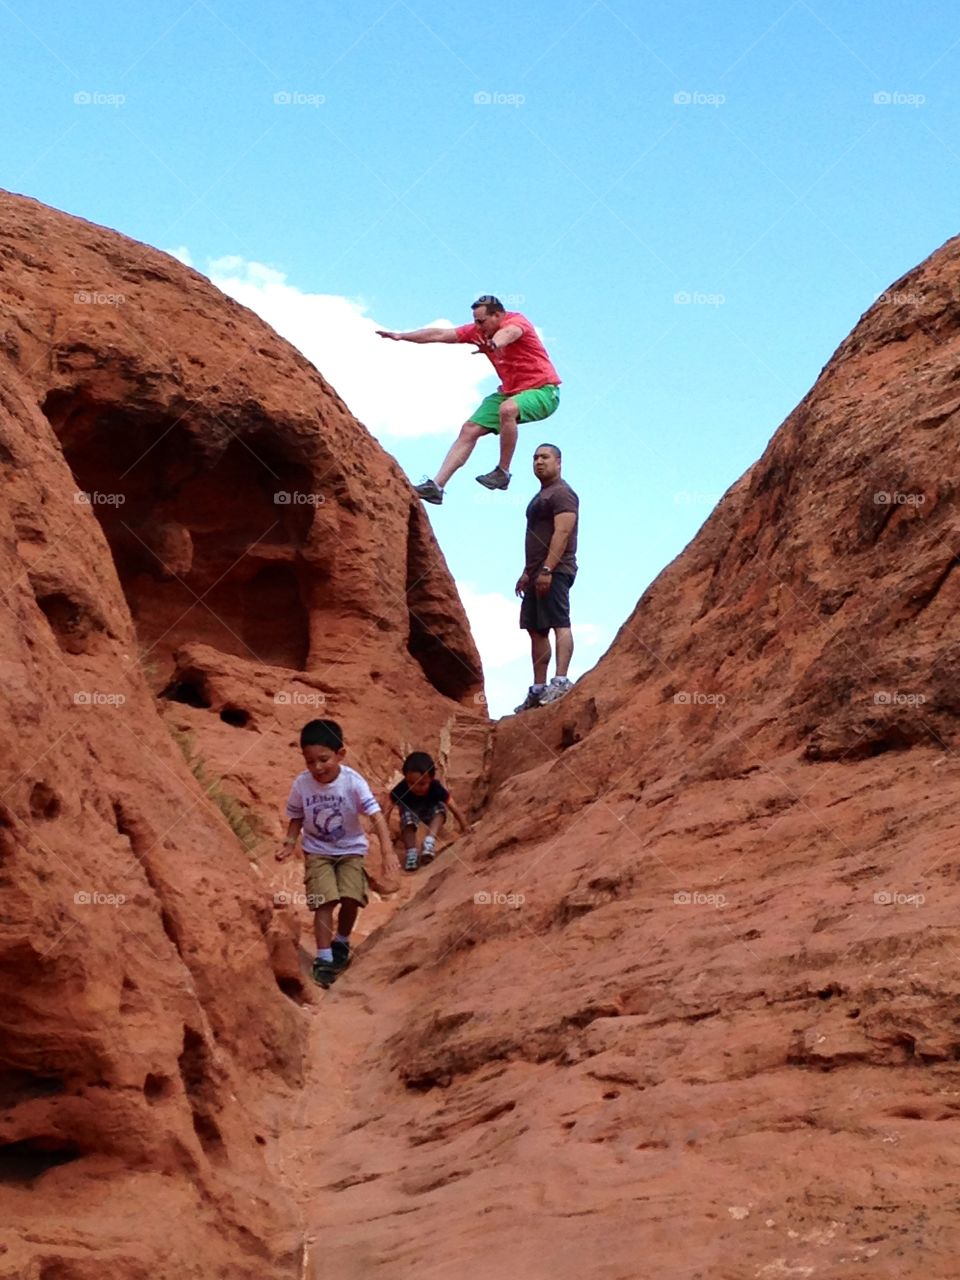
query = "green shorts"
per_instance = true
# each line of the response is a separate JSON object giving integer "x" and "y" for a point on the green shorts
{"x": 533, "y": 405}
{"x": 332, "y": 879}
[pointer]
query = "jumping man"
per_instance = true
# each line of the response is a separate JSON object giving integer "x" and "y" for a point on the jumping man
{"x": 528, "y": 392}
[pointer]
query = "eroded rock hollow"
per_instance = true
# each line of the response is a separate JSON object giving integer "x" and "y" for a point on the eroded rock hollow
{"x": 201, "y": 549}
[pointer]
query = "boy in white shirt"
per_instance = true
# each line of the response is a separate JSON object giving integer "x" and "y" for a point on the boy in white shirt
{"x": 325, "y": 805}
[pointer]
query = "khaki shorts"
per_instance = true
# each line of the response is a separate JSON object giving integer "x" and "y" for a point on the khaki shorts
{"x": 330, "y": 879}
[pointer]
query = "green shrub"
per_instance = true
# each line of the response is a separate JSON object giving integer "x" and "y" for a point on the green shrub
{"x": 243, "y": 823}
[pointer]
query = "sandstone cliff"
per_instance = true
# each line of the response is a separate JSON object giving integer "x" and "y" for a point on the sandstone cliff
{"x": 200, "y": 550}
{"x": 685, "y": 1003}
{"x": 682, "y": 1004}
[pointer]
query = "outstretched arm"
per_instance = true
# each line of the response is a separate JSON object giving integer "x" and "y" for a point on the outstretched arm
{"x": 420, "y": 335}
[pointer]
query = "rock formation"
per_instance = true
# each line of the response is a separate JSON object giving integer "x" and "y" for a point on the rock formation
{"x": 684, "y": 1004}
{"x": 198, "y": 542}
{"x": 681, "y": 1004}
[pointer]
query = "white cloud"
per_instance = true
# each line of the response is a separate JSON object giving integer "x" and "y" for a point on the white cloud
{"x": 495, "y": 622}
{"x": 395, "y": 388}
{"x": 398, "y": 389}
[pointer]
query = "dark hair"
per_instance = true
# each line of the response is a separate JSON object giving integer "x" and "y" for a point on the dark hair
{"x": 489, "y": 301}
{"x": 322, "y": 733}
{"x": 559, "y": 455}
{"x": 419, "y": 762}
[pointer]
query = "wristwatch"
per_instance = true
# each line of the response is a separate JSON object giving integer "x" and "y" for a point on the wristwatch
{"x": 546, "y": 569}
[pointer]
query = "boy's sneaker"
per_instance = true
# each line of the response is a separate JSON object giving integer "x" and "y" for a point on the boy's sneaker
{"x": 412, "y": 860}
{"x": 324, "y": 973}
{"x": 341, "y": 954}
{"x": 557, "y": 687}
{"x": 531, "y": 700}
{"x": 429, "y": 850}
{"x": 495, "y": 479}
{"x": 429, "y": 491}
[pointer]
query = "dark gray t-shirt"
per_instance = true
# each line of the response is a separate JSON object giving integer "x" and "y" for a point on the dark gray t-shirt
{"x": 551, "y": 501}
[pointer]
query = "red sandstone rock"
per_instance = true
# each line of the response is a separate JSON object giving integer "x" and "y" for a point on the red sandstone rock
{"x": 681, "y": 1004}
{"x": 685, "y": 1002}
{"x": 152, "y": 1032}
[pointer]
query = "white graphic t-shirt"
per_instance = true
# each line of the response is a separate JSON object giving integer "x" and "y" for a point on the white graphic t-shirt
{"x": 330, "y": 812}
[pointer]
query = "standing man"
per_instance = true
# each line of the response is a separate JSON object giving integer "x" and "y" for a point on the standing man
{"x": 550, "y": 566}
{"x": 528, "y": 392}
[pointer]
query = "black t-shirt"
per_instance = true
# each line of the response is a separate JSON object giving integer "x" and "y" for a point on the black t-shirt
{"x": 553, "y": 500}
{"x": 436, "y": 794}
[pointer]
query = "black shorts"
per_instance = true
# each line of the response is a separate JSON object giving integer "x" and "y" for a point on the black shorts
{"x": 413, "y": 817}
{"x": 543, "y": 613}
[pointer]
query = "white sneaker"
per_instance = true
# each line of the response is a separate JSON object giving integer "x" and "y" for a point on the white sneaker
{"x": 555, "y": 690}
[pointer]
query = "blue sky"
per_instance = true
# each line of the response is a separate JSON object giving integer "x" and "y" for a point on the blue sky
{"x": 693, "y": 202}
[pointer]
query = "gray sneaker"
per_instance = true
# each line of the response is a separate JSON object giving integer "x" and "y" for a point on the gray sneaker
{"x": 530, "y": 701}
{"x": 429, "y": 491}
{"x": 555, "y": 690}
{"x": 495, "y": 479}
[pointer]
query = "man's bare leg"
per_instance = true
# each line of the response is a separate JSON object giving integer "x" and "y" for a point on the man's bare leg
{"x": 564, "y": 649}
{"x": 540, "y": 650}
{"x": 509, "y": 414}
{"x": 460, "y": 451}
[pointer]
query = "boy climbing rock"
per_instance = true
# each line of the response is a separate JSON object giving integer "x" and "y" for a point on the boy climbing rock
{"x": 325, "y": 805}
{"x": 421, "y": 799}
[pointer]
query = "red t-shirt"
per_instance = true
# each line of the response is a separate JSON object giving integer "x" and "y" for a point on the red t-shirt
{"x": 522, "y": 365}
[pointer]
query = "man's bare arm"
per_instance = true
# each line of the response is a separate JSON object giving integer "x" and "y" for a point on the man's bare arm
{"x": 563, "y": 524}
{"x": 503, "y": 337}
{"x": 420, "y": 335}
